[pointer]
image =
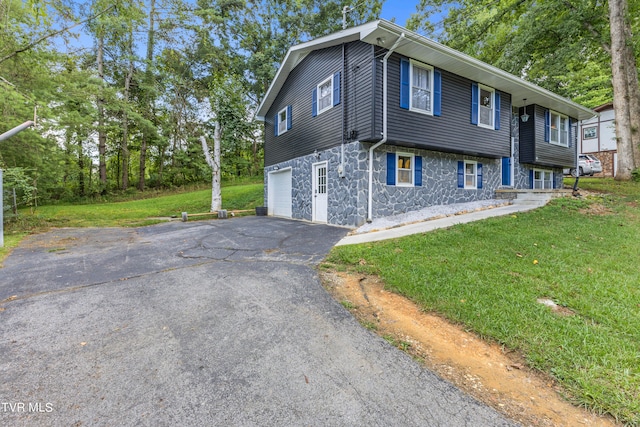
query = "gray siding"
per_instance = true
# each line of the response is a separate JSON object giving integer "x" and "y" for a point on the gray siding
{"x": 452, "y": 131}
{"x": 307, "y": 133}
{"x": 533, "y": 148}
{"x": 527, "y": 135}
{"x": 361, "y": 104}
{"x": 359, "y": 82}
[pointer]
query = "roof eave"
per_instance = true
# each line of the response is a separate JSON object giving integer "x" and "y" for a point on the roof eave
{"x": 433, "y": 53}
{"x": 297, "y": 53}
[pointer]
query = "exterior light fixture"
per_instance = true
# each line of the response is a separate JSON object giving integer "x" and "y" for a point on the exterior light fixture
{"x": 525, "y": 116}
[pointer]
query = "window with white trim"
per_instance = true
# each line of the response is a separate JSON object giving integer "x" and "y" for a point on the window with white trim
{"x": 486, "y": 108}
{"x": 282, "y": 121}
{"x": 404, "y": 170}
{"x": 325, "y": 95}
{"x": 590, "y": 133}
{"x": 470, "y": 175}
{"x": 559, "y": 129}
{"x": 542, "y": 179}
{"x": 421, "y": 87}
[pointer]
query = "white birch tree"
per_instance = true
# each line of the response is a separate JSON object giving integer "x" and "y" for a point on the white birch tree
{"x": 214, "y": 164}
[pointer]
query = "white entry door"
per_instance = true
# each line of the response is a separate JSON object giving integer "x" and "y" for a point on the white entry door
{"x": 319, "y": 195}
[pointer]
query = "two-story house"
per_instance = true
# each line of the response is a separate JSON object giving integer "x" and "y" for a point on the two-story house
{"x": 377, "y": 120}
{"x": 598, "y": 137}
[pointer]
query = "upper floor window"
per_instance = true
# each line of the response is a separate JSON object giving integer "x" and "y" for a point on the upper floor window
{"x": 559, "y": 126}
{"x": 485, "y": 107}
{"x": 590, "y": 132}
{"x": 326, "y": 95}
{"x": 421, "y": 87}
{"x": 282, "y": 121}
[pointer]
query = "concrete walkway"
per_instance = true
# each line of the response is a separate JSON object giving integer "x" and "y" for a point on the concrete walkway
{"x": 524, "y": 202}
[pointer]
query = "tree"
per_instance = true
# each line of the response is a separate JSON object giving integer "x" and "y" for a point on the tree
{"x": 214, "y": 164}
{"x": 560, "y": 45}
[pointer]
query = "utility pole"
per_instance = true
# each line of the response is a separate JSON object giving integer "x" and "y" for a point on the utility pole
{"x": 345, "y": 10}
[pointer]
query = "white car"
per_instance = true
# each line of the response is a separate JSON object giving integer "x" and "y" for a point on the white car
{"x": 588, "y": 164}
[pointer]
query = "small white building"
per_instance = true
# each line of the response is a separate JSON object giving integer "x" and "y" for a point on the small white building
{"x": 598, "y": 137}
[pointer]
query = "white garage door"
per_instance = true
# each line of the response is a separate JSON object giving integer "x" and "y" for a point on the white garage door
{"x": 279, "y": 193}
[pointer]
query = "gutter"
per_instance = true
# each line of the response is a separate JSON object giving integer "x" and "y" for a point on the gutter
{"x": 384, "y": 124}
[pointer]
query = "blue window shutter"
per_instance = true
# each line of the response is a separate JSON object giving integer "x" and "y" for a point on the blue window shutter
{"x": 475, "y": 94}
{"x": 497, "y": 109}
{"x": 336, "y": 88}
{"x": 417, "y": 179}
{"x": 547, "y": 125}
{"x": 314, "y": 101}
{"x": 553, "y": 180}
{"x": 437, "y": 93}
{"x": 404, "y": 84}
{"x": 460, "y": 174}
{"x": 479, "y": 170}
{"x": 391, "y": 168}
{"x": 531, "y": 178}
{"x": 570, "y": 125}
{"x": 275, "y": 125}
{"x": 289, "y": 118}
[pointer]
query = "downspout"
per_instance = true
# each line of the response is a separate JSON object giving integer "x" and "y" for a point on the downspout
{"x": 384, "y": 124}
{"x": 343, "y": 78}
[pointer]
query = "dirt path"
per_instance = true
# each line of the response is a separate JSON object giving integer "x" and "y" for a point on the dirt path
{"x": 483, "y": 370}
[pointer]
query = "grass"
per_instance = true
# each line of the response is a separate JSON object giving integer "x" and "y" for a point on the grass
{"x": 127, "y": 213}
{"x": 488, "y": 275}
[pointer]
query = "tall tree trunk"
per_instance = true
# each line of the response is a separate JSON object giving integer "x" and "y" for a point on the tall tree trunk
{"x": 634, "y": 91}
{"x": 149, "y": 95}
{"x": 125, "y": 117}
{"x": 214, "y": 164}
{"x": 69, "y": 154}
{"x": 80, "y": 168}
{"x": 621, "y": 95}
{"x": 102, "y": 134}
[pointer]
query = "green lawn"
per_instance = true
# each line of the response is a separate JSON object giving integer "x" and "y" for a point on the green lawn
{"x": 138, "y": 212}
{"x": 582, "y": 254}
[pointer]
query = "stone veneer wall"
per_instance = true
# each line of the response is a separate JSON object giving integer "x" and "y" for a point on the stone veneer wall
{"x": 439, "y": 182}
{"x": 348, "y": 195}
{"x": 521, "y": 173}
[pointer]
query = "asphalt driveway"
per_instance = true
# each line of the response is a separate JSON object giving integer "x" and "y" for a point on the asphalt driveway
{"x": 200, "y": 324}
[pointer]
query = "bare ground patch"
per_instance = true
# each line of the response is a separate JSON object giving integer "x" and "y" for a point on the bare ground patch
{"x": 596, "y": 209}
{"x": 484, "y": 370}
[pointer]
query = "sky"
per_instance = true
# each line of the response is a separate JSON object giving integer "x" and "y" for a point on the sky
{"x": 399, "y": 9}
